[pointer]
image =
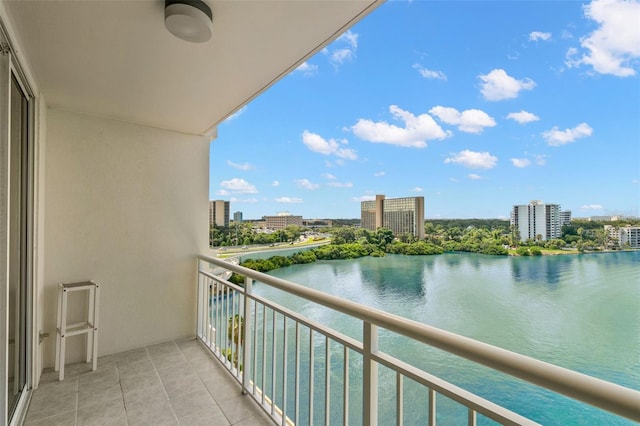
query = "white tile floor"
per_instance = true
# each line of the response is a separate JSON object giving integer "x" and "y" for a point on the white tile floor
{"x": 173, "y": 383}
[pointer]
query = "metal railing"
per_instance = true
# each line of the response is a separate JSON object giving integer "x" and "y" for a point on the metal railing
{"x": 272, "y": 351}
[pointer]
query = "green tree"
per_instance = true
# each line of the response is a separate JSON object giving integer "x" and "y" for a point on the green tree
{"x": 535, "y": 251}
{"x": 384, "y": 237}
{"x": 293, "y": 232}
{"x": 343, "y": 235}
{"x": 407, "y": 238}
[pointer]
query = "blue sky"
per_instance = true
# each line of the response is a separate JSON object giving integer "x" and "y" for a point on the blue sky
{"x": 476, "y": 106}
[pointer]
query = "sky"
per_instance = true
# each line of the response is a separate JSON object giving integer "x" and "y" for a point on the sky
{"x": 476, "y": 106}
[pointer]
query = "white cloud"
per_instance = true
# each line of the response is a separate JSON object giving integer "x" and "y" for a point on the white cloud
{"x": 555, "y": 137}
{"x": 317, "y": 143}
{"x": 523, "y": 117}
{"x": 414, "y": 134}
{"x": 592, "y": 207}
{"x": 236, "y": 114}
{"x": 537, "y": 35}
{"x": 474, "y": 176}
{"x": 238, "y": 186}
{"x": 328, "y": 176}
{"x": 306, "y": 184}
{"x": 521, "y": 162}
{"x": 289, "y": 200}
{"x": 469, "y": 121}
{"x": 275, "y": 183}
{"x": 223, "y": 192}
{"x": 343, "y": 49}
{"x": 417, "y": 189}
{"x": 614, "y": 46}
{"x": 498, "y": 85}
{"x": 243, "y": 200}
{"x": 430, "y": 74}
{"x": 340, "y": 184}
{"x": 378, "y": 174}
{"x": 307, "y": 69}
{"x": 242, "y": 166}
{"x": 473, "y": 160}
{"x": 541, "y": 159}
{"x": 364, "y": 198}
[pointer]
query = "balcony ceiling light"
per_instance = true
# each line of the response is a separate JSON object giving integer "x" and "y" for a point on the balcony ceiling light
{"x": 189, "y": 20}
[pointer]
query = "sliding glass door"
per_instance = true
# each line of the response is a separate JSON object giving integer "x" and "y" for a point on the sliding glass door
{"x": 18, "y": 246}
{"x": 16, "y": 219}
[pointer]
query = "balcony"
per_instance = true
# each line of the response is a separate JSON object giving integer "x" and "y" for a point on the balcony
{"x": 257, "y": 371}
{"x": 173, "y": 383}
{"x": 302, "y": 372}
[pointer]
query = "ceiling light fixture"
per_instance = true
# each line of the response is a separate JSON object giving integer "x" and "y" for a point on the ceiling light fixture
{"x": 189, "y": 20}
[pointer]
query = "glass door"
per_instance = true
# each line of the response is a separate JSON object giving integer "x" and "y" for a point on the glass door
{"x": 16, "y": 229}
{"x": 18, "y": 245}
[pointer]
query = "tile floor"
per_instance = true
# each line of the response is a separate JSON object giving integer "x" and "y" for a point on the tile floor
{"x": 173, "y": 383}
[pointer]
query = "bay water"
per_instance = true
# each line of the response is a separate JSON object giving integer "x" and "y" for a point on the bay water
{"x": 581, "y": 312}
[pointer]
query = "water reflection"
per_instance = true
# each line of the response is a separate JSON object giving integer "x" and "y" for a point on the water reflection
{"x": 541, "y": 271}
{"x": 393, "y": 275}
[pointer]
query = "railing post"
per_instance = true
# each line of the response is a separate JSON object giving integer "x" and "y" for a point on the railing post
{"x": 370, "y": 375}
{"x": 246, "y": 333}
{"x": 199, "y": 301}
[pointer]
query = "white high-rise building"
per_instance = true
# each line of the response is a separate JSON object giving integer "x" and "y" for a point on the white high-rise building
{"x": 537, "y": 221}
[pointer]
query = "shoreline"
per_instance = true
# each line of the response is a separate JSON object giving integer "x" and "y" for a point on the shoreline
{"x": 575, "y": 252}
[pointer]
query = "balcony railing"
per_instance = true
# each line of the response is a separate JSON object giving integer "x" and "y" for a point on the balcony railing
{"x": 276, "y": 355}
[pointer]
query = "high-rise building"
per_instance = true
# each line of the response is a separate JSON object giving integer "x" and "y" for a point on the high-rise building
{"x": 565, "y": 217}
{"x": 537, "y": 221}
{"x": 218, "y": 213}
{"x": 237, "y": 217}
{"x": 400, "y": 215}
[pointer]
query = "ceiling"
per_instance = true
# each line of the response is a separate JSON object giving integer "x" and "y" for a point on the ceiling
{"x": 115, "y": 58}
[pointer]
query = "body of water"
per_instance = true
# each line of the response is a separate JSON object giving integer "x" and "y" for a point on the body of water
{"x": 578, "y": 311}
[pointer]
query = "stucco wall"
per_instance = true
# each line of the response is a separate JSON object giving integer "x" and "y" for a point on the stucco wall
{"x": 126, "y": 206}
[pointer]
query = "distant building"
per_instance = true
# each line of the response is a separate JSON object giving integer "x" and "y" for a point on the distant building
{"x": 237, "y": 217}
{"x": 565, "y": 217}
{"x": 537, "y": 221}
{"x": 400, "y": 215}
{"x": 317, "y": 223}
{"x": 601, "y": 218}
{"x": 218, "y": 213}
{"x": 614, "y": 218}
{"x": 624, "y": 236}
{"x": 371, "y": 213}
{"x": 281, "y": 221}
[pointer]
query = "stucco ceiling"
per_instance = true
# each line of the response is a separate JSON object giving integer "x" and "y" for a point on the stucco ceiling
{"x": 115, "y": 58}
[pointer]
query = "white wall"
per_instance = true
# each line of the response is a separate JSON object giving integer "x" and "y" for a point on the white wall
{"x": 126, "y": 206}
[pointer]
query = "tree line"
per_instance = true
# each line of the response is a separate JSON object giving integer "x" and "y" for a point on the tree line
{"x": 488, "y": 236}
{"x": 243, "y": 234}
{"x": 347, "y": 243}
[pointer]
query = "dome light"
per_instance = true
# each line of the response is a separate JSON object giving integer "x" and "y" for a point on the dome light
{"x": 189, "y": 20}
